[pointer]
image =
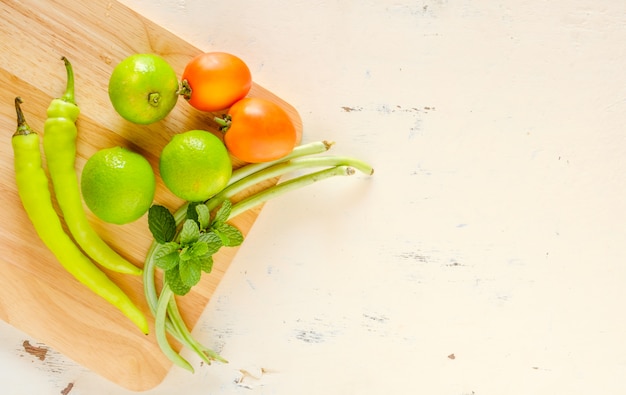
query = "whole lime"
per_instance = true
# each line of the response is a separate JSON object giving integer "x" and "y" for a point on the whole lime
{"x": 143, "y": 88}
{"x": 195, "y": 165}
{"x": 118, "y": 185}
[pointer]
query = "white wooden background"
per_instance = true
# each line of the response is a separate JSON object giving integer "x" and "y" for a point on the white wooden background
{"x": 487, "y": 254}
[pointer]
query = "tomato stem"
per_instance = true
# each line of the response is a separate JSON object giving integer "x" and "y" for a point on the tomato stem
{"x": 223, "y": 122}
{"x": 185, "y": 89}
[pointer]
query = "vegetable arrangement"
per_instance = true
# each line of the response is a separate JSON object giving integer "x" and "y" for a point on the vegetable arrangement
{"x": 194, "y": 165}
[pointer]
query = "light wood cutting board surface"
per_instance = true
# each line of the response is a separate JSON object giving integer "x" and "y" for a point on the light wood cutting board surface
{"x": 36, "y": 294}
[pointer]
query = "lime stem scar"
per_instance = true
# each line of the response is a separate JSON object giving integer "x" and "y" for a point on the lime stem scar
{"x": 153, "y": 98}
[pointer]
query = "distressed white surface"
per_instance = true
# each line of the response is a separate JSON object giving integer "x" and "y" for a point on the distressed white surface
{"x": 486, "y": 255}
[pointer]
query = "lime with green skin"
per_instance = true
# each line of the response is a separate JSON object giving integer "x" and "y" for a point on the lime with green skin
{"x": 195, "y": 165}
{"x": 118, "y": 185}
{"x": 143, "y": 88}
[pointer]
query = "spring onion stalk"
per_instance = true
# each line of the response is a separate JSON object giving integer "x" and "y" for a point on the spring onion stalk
{"x": 315, "y": 147}
{"x": 254, "y": 173}
{"x": 163, "y": 306}
{"x": 282, "y": 168}
{"x": 205, "y": 353}
{"x": 284, "y": 187}
{"x": 175, "y": 325}
{"x": 153, "y": 299}
{"x": 170, "y": 320}
{"x": 160, "y": 331}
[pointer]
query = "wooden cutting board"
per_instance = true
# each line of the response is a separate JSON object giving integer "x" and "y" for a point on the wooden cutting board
{"x": 36, "y": 295}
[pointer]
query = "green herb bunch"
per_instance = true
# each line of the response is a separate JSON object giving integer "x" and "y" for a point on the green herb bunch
{"x": 185, "y": 258}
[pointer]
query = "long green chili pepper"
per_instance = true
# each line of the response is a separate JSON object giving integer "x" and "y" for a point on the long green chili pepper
{"x": 33, "y": 189}
{"x": 59, "y": 144}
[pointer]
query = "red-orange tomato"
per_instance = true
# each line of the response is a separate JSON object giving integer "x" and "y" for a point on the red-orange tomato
{"x": 217, "y": 80}
{"x": 259, "y": 131}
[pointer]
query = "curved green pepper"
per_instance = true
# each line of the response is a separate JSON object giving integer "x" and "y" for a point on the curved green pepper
{"x": 33, "y": 189}
{"x": 59, "y": 144}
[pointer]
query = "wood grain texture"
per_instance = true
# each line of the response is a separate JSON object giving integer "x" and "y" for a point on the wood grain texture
{"x": 36, "y": 294}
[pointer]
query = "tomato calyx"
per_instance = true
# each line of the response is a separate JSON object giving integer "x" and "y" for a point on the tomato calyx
{"x": 185, "y": 89}
{"x": 224, "y": 122}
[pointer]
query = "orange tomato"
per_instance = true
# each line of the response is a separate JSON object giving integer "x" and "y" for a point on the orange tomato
{"x": 213, "y": 81}
{"x": 259, "y": 130}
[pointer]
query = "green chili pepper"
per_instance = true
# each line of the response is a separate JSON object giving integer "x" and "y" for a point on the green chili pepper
{"x": 33, "y": 189}
{"x": 59, "y": 142}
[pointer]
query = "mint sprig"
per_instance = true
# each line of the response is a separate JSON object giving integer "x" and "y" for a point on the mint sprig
{"x": 185, "y": 259}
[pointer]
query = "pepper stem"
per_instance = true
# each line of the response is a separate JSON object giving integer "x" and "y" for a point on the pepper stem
{"x": 22, "y": 127}
{"x": 69, "y": 90}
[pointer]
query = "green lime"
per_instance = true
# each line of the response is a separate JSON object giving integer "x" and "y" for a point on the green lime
{"x": 143, "y": 88}
{"x": 118, "y": 185}
{"x": 195, "y": 165}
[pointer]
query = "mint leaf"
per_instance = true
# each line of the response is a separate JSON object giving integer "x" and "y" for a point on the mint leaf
{"x": 206, "y": 264}
{"x": 230, "y": 236}
{"x": 191, "y": 210}
{"x": 223, "y": 212}
{"x": 167, "y": 262}
{"x": 190, "y": 232}
{"x": 185, "y": 254}
{"x": 198, "y": 249}
{"x": 166, "y": 256}
{"x": 161, "y": 223}
{"x": 212, "y": 240}
{"x": 204, "y": 216}
{"x": 172, "y": 278}
{"x": 190, "y": 272}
